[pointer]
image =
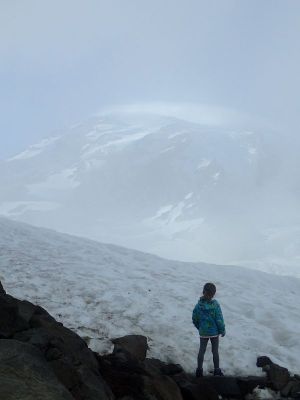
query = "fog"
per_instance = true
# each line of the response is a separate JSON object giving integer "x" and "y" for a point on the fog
{"x": 64, "y": 60}
{"x": 229, "y": 69}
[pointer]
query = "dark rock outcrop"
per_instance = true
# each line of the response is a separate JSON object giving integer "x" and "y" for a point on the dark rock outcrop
{"x": 11, "y": 320}
{"x": 196, "y": 390}
{"x": 292, "y": 389}
{"x": 135, "y": 345}
{"x": 42, "y": 359}
{"x": 62, "y": 351}
{"x": 249, "y": 383}
{"x": 129, "y": 377}
{"x": 2, "y": 291}
{"x": 25, "y": 375}
{"x": 225, "y": 386}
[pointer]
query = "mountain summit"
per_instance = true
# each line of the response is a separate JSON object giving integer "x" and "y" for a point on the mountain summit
{"x": 160, "y": 184}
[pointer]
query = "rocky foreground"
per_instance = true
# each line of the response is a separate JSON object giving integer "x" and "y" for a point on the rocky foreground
{"x": 42, "y": 359}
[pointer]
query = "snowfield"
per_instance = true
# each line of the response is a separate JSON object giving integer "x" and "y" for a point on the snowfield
{"x": 103, "y": 291}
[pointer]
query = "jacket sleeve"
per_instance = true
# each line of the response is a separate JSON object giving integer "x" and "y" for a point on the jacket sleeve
{"x": 196, "y": 316}
{"x": 220, "y": 320}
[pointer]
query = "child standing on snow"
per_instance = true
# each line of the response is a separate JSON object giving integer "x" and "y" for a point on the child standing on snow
{"x": 208, "y": 319}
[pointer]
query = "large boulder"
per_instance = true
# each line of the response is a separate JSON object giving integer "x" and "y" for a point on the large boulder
{"x": 153, "y": 367}
{"x": 292, "y": 389}
{"x": 11, "y": 320}
{"x": 124, "y": 379}
{"x": 198, "y": 390}
{"x": 249, "y": 383}
{"x": 72, "y": 363}
{"x": 226, "y": 386}
{"x": 160, "y": 388}
{"x": 26, "y": 375}
{"x": 131, "y": 378}
{"x": 135, "y": 345}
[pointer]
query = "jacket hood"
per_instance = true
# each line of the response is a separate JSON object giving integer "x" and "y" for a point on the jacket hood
{"x": 203, "y": 300}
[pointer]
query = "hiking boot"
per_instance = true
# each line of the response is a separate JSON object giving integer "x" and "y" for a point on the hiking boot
{"x": 218, "y": 372}
{"x": 199, "y": 372}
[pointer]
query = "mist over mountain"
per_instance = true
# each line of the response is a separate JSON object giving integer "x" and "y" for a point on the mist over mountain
{"x": 164, "y": 185}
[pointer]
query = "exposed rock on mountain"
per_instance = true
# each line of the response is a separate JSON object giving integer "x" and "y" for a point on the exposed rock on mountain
{"x": 162, "y": 185}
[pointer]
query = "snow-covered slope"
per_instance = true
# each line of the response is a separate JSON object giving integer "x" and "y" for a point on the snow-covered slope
{"x": 163, "y": 185}
{"x": 103, "y": 291}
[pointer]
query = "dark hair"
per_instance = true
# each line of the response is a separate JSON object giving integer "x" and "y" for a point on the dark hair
{"x": 209, "y": 288}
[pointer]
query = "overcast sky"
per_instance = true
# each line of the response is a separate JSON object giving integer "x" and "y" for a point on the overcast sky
{"x": 62, "y": 60}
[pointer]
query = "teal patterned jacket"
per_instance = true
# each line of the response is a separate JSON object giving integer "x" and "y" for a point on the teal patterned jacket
{"x": 208, "y": 318}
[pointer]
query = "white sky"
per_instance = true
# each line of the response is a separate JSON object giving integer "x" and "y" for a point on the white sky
{"x": 63, "y": 60}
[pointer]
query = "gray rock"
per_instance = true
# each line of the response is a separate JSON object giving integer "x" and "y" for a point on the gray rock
{"x": 93, "y": 387}
{"x": 72, "y": 362}
{"x": 25, "y": 309}
{"x": 226, "y": 386}
{"x": 199, "y": 391}
{"x": 127, "y": 398}
{"x": 154, "y": 366}
{"x": 2, "y": 291}
{"x": 295, "y": 390}
{"x": 11, "y": 321}
{"x": 135, "y": 345}
{"x": 249, "y": 383}
{"x": 25, "y": 374}
{"x": 292, "y": 389}
{"x": 161, "y": 388}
